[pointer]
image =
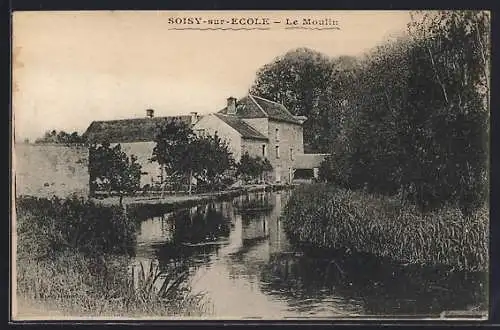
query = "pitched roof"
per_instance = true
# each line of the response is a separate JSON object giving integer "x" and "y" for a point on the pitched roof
{"x": 246, "y": 131}
{"x": 252, "y": 106}
{"x": 128, "y": 130}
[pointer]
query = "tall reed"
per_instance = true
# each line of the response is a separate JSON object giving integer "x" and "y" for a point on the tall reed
{"x": 329, "y": 217}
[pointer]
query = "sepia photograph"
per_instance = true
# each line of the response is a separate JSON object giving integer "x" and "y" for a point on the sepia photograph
{"x": 250, "y": 165}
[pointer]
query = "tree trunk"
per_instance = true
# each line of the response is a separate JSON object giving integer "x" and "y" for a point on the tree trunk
{"x": 436, "y": 74}
{"x": 163, "y": 183}
{"x": 190, "y": 181}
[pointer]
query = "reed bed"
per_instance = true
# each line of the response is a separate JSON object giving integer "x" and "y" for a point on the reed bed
{"x": 328, "y": 217}
{"x": 82, "y": 266}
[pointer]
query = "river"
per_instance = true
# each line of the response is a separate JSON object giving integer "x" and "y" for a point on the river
{"x": 237, "y": 254}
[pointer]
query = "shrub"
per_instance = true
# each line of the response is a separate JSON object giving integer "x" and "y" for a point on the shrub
{"x": 333, "y": 218}
{"x": 73, "y": 256}
{"x": 49, "y": 226}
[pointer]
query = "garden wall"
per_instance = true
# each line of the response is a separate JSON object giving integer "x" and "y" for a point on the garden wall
{"x": 50, "y": 169}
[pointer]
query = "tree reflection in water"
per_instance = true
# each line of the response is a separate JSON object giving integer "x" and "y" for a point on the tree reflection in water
{"x": 376, "y": 286}
{"x": 244, "y": 239}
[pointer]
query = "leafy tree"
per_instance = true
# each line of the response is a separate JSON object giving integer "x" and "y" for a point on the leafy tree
{"x": 298, "y": 80}
{"x": 212, "y": 161}
{"x": 61, "y": 137}
{"x": 181, "y": 152}
{"x": 417, "y": 123}
{"x": 111, "y": 169}
{"x": 252, "y": 167}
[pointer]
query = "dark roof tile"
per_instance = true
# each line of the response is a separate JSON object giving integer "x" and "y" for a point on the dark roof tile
{"x": 241, "y": 127}
{"x": 252, "y": 106}
{"x": 128, "y": 130}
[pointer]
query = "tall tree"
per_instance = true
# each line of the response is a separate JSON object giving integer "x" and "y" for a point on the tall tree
{"x": 418, "y": 120}
{"x": 298, "y": 79}
{"x": 249, "y": 167}
{"x": 182, "y": 153}
{"x": 111, "y": 169}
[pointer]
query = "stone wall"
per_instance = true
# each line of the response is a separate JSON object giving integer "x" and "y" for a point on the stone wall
{"x": 47, "y": 170}
{"x": 290, "y": 144}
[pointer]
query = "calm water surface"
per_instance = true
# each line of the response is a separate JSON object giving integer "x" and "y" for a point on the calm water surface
{"x": 238, "y": 255}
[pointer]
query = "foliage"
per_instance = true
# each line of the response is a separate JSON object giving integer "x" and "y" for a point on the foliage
{"x": 69, "y": 285}
{"x": 61, "y": 137}
{"x": 417, "y": 123}
{"x": 301, "y": 80}
{"x": 324, "y": 216}
{"x": 111, "y": 169}
{"x": 49, "y": 226}
{"x": 73, "y": 257}
{"x": 250, "y": 168}
{"x": 181, "y": 152}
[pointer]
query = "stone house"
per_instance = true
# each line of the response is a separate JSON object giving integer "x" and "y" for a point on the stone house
{"x": 260, "y": 127}
{"x": 252, "y": 124}
{"x": 136, "y": 137}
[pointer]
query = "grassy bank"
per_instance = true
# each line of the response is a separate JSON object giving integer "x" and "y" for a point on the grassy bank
{"x": 328, "y": 217}
{"x": 74, "y": 257}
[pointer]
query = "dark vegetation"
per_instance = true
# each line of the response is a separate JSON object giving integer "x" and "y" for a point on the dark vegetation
{"x": 188, "y": 156}
{"x": 74, "y": 257}
{"x": 331, "y": 218}
{"x": 110, "y": 169}
{"x": 251, "y": 168}
{"x": 407, "y": 127}
{"x": 61, "y": 137}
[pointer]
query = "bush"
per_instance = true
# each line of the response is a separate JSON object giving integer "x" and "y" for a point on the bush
{"x": 49, "y": 226}
{"x": 73, "y": 256}
{"x": 334, "y": 218}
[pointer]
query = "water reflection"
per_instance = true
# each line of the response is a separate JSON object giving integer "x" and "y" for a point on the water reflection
{"x": 238, "y": 254}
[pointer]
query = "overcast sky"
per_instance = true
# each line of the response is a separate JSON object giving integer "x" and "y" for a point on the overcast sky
{"x": 70, "y": 68}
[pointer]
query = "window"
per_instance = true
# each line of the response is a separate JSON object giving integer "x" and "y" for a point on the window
{"x": 277, "y": 134}
{"x": 291, "y": 153}
{"x": 200, "y": 132}
{"x": 277, "y": 152}
{"x": 263, "y": 150}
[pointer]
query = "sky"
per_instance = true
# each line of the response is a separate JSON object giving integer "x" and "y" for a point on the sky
{"x": 70, "y": 68}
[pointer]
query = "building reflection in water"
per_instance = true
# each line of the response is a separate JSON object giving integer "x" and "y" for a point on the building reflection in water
{"x": 238, "y": 252}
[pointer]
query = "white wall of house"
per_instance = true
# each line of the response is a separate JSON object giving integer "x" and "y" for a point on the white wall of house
{"x": 289, "y": 142}
{"x": 144, "y": 151}
{"x": 211, "y": 125}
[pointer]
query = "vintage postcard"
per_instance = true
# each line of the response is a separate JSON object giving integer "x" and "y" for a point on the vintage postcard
{"x": 255, "y": 165}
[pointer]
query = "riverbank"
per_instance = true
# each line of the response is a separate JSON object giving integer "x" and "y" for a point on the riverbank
{"x": 327, "y": 217}
{"x": 142, "y": 206}
{"x": 73, "y": 259}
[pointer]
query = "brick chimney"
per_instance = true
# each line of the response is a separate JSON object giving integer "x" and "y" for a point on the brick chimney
{"x": 231, "y": 105}
{"x": 150, "y": 113}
